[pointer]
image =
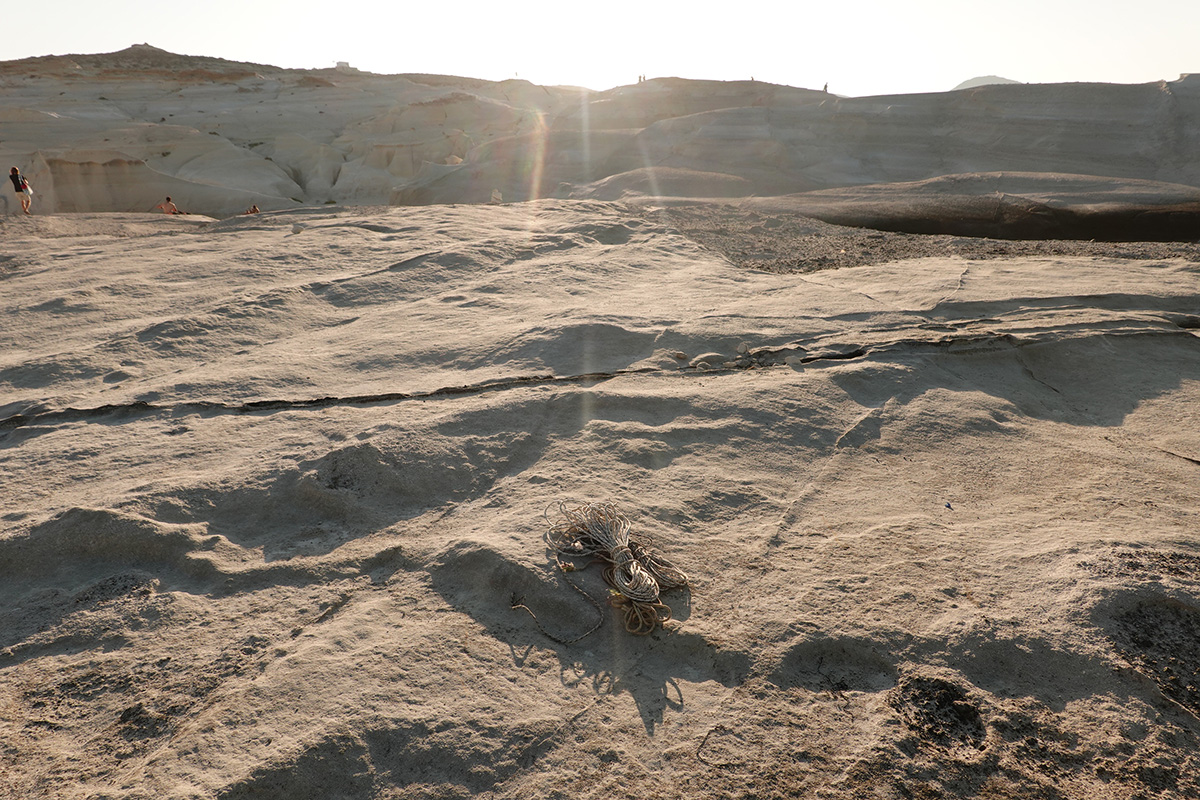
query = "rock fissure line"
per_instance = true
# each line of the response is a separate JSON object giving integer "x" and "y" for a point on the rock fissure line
{"x": 760, "y": 358}
{"x": 1195, "y": 461}
{"x": 212, "y": 406}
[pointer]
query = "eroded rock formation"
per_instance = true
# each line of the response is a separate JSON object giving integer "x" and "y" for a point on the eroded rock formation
{"x": 119, "y": 131}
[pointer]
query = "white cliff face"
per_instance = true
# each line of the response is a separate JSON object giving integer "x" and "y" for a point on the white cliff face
{"x": 1139, "y": 132}
{"x": 118, "y": 132}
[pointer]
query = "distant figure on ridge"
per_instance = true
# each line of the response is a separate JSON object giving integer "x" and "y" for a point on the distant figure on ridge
{"x": 250, "y": 210}
{"x": 23, "y": 188}
{"x": 167, "y": 207}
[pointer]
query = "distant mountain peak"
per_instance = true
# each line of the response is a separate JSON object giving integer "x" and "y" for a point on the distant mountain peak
{"x": 985, "y": 80}
{"x": 135, "y": 59}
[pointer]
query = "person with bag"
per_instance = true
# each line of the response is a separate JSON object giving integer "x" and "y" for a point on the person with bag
{"x": 23, "y": 188}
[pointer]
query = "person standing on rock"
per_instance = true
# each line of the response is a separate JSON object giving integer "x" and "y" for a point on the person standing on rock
{"x": 23, "y": 188}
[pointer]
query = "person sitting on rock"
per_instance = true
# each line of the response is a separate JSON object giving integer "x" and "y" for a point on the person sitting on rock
{"x": 167, "y": 207}
{"x": 23, "y": 188}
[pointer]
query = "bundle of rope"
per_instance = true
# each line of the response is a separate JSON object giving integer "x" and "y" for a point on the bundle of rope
{"x": 636, "y": 573}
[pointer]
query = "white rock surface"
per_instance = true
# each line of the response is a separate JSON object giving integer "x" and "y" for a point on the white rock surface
{"x": 268, "y": 501}
{"x": 119, "y": 131}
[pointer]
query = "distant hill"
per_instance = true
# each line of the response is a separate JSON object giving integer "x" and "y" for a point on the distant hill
{"x": 139, "y": 59}
{"x": 986, "y": 80}
{"x": 121, "y": 131}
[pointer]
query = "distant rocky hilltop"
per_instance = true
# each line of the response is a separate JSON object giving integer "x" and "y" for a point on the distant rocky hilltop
{"x": 119, "y": 131}
{"x": 985, "y": 80}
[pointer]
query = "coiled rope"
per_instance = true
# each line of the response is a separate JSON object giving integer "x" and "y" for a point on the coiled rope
{"x": 636, "y": 573}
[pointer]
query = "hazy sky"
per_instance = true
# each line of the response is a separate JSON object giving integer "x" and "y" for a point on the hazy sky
{"x": 859, "y": 47}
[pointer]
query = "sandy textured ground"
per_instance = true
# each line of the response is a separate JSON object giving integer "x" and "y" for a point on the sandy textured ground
{"x": 760, "y": 234}
{"x": 272, "y": 485}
